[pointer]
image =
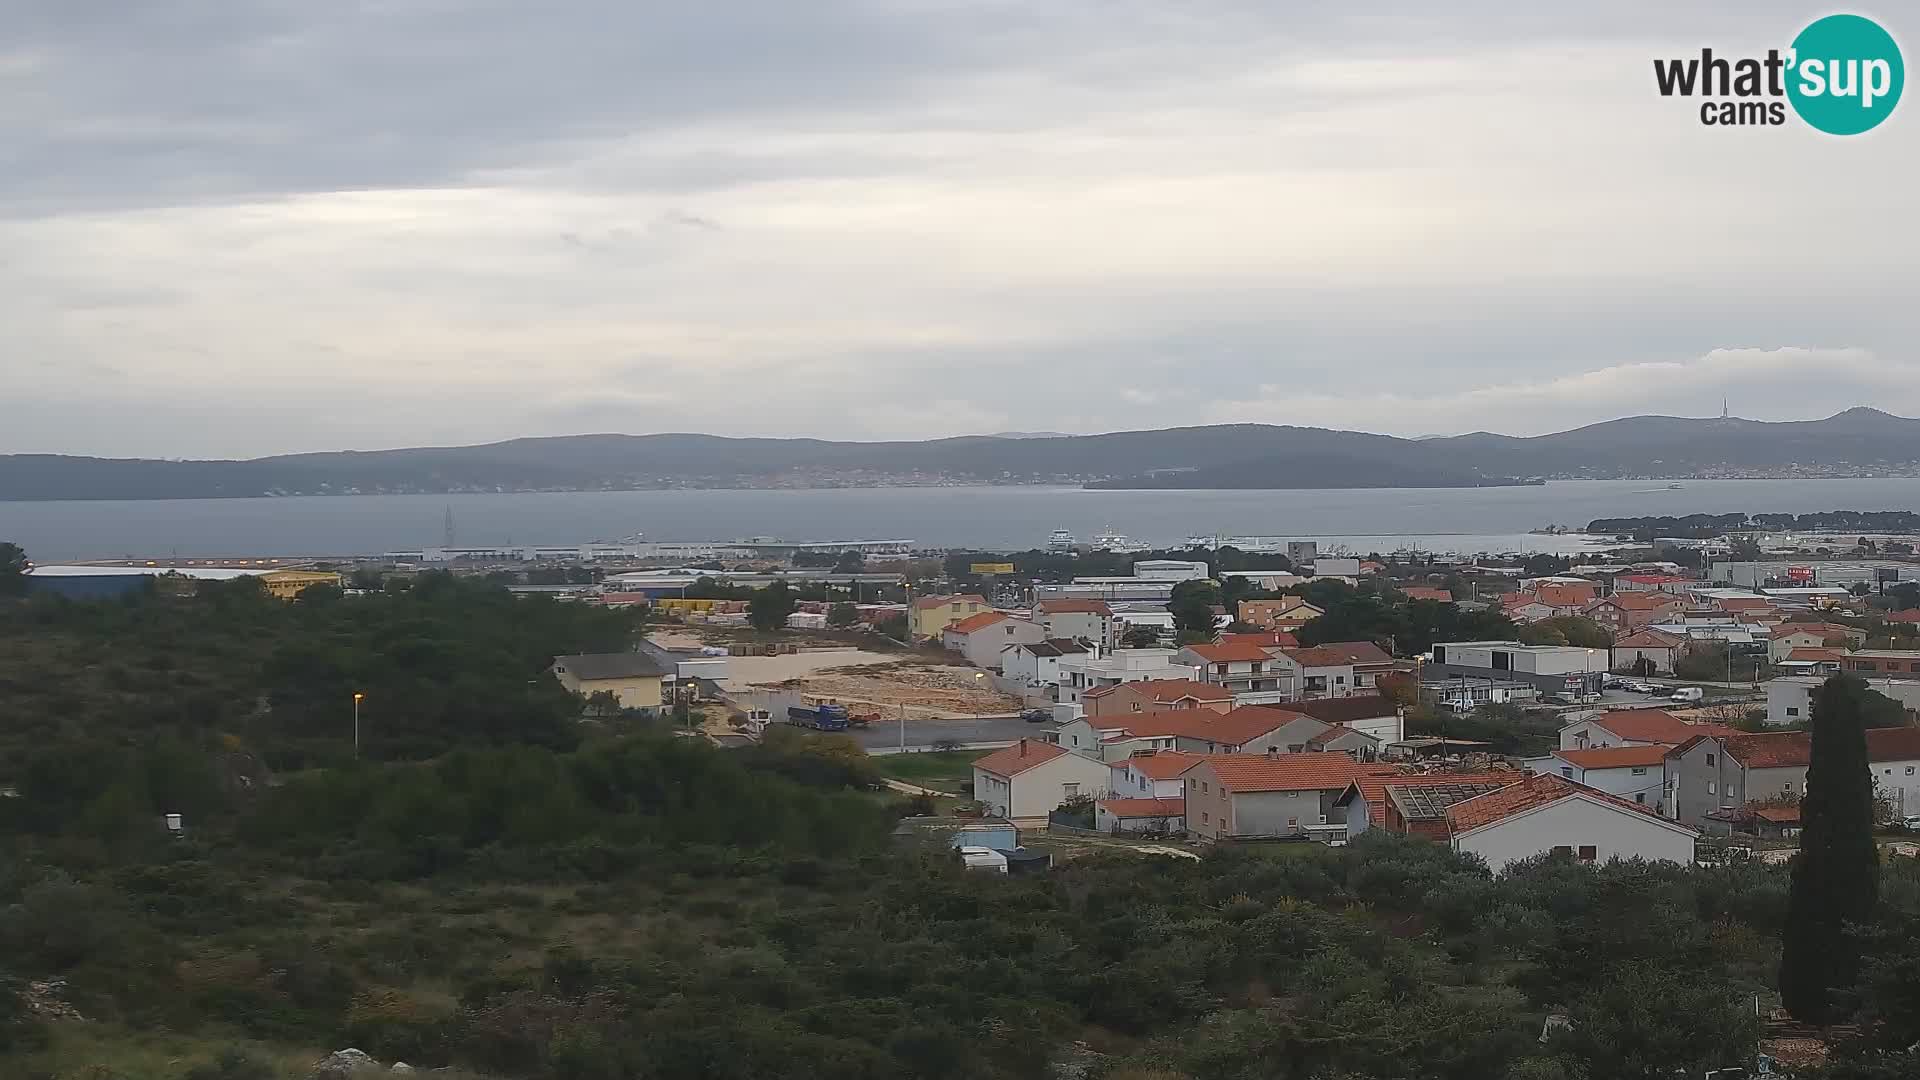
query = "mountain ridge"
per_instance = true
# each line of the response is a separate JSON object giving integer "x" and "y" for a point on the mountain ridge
{"x": 1857, "y": 441}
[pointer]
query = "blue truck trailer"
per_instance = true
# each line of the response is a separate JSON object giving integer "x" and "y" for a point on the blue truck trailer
{"x": 826, "y": 717}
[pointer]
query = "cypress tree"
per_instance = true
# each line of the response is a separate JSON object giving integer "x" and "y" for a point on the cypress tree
{"x": 1836, "y": 878}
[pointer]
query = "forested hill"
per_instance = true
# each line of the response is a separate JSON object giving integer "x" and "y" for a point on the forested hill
{"x": 1856, "y": 442}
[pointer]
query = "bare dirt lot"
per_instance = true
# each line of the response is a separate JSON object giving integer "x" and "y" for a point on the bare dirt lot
{"x": 923, "y": 689}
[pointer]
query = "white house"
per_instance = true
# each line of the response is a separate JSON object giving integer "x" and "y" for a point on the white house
{"x": 1633, "y": 727}
{"x": 1149, "y": 774}
{"x": 1549, "y": 813}
{"x": 1078, "y": 620}
{"x": 1647, "y": 652}
{"x": 1246, "y": 730}
{"x": 1140, "y": 815}
{"x": 1634, "y": 773}
{"x": 980, "y": 637}
{"x": 1339, "y": 668}
{"x": 1893, "y": 756}
{"x": 1090, "y": 671}
{"x": 1242, "y": 667}
{"x": 1037, "y": 663}
{"x": 1031, "y": 779}
{"x": 1790, "y": 697}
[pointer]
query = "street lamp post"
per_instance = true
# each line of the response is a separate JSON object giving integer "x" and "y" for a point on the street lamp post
{"x": 357, "y": 697}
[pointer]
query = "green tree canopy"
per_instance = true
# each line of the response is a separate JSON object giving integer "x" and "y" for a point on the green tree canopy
{"x": 13, "y": 570}
{"x": 769, "y": 608}
{"x": 1837, "y": 875}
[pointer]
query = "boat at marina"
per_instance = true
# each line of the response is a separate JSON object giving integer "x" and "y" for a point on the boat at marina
{"x": 1117, "y": 543}
{"x": 1060, "y": 541}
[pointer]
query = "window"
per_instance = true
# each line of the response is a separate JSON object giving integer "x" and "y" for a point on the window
{"x": 1204, "y": 820}
{"x": 1193, "y": 785}
{"x": 1136, "y": 707}
{"x": 1641, "y": 771}
{"x": 1588, "y": 853}
{"x": 1640, "y": 797}
{"x": 1709, "y": 761}
{"x": 1339, "y": 680}
{"x": 1293, "y": 823}
{"x": 1203, "y": 785}
{"x": 1562, "y": 849}
{"x": 1069, "y": 790}
{"x": 1793, "y": 710}
{"x": 1566, "y": 771}
{"x": 1712, "y": 789}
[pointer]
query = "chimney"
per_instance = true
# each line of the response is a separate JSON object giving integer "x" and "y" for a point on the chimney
{"x": 1023, "y": 748}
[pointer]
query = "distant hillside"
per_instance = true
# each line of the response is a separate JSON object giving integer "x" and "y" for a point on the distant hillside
{"x": 1858, "y": 441}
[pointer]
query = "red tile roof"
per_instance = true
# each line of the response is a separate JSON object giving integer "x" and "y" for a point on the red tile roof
{"x": 1145, "y": 808}
{"x": 1018, "y": 758}
{"x": 1069, "y": 607}
{"x": 1818, "y": 656}
{"x": 1655, "y": 726}
{"x": 1819, "y": 630}
{"x": 1169, "y": 690}
{"x": 1566, "y": 596}
{"x": 1893, "y": 744}
{"x": 1911, "y": 615}
{"x": 1741, "y": 603}
{"x": 1422, "y": 592}
{"x": 975, "y": 622}
{"x": 1242, "y": 773}
{"x": 1770, "y": 750}
{"x": 1272, "y": 639}
{"x": 1159, "y": 764}
{"x": 1779, "y": 815}
{"x": 1340, "y": 654}
{"x": 1615, "y": 757}
{"x": 1540, "y": 789}
{"x": 1648, "y": 639}
{"x": 1640, "y": 601}
{"x": 1653, "y": 579}
{"x": 1232, "y": 652}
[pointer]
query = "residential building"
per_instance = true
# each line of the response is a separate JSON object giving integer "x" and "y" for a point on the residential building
{"x": 1266, "y": 639}
{"x": 634, "y": 679}
{"x": 1634, "y": 773}
{"x": 1149, "y": 774}
{"x": 1547, "y": 812}
{"x": 1270, "y": 795}
{"x": 1713, "y": 772}
{"x": 1370, "y": 714}
{"x": 1633, "y": 727}
{"x": 1146, "y": 816}
{"x": 1769, "y": 822}
{"x": 1553, "y": 669}
{"x": 1079, "y": 620}
{"x": 1414, "y": 804}
{"x": 1463, "y": 694}
{"x": 1031, "y": 779}
{"x": 1156, "y": 695}
{"x": 1339, "y": 668}
{"x": 1422, "y": 592}
{"x": 1093, "y": 670}
{"x": 930, "y": 615}
{"x": 1625, "y": 612}
{"x": 1893, "y": 756}
{"x": 1787, "y": 637}
{"x": 1528, "y": 608}
{"x": 1288, "y": 613}
{"x": 1669, "y": 583}
{"x": 1037, "y": 663}
{"x": 1804, "y": 661}
{"x": 1250, "y": 729}
{"x": 1175, "y": 570}
{"x": 1907, "y": 617}
{"x": 1882, "y": 664}
{"x": 1567, "y": 596}
{"x": 1240, "y": 668}
{"x": 1647, "y": 652}
{"x": 1790, "y": 697}
{"x": 981, "y": 638}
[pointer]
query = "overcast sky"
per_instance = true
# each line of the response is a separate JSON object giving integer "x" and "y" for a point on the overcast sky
{"x": 240, "y": 227}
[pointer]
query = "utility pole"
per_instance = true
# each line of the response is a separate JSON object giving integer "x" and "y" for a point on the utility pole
{"x": 357, "y": 697}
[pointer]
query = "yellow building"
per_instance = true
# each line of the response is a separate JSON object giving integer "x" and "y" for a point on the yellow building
{"x": 933, "y": 614}
{"x": 632, "y": 678}
{"x": 286, "y": 584}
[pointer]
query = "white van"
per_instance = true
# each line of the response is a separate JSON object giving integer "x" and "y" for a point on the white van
{"x": 1687, "y": 695}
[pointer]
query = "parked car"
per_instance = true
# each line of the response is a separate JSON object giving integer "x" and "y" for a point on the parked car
{"x": 1687, "y": 695}
{"x": 1036, "y": 716}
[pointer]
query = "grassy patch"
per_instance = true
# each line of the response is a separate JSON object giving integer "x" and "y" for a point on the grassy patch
{"x": 944, "y": 770}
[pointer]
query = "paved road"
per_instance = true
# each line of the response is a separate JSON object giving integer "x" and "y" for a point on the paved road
{"x": 985, "y": 729}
